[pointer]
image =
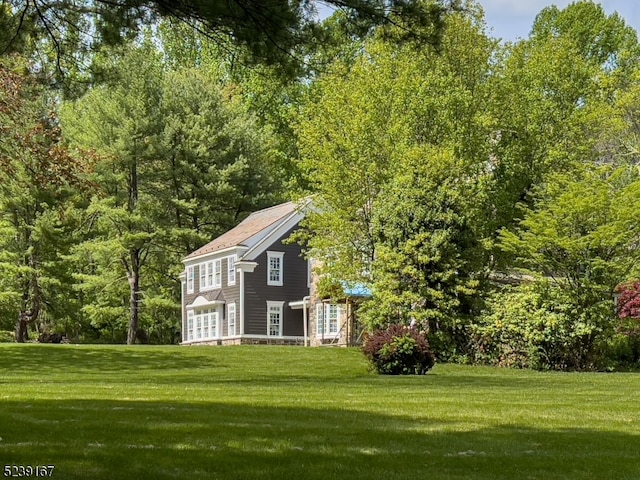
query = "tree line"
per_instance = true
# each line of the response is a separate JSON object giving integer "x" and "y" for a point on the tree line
{"x": 486, "y": 190}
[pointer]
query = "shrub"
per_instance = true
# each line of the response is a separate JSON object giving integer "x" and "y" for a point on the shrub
{"x": 398, "y": 350}
{"x": 628, "y": 304}
{"x": 536, "y": 326}
{"x": 624, "y": 346}
{"x": 7, "y": 336}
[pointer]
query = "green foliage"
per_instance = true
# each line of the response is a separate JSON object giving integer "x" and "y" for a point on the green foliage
{"x": 40, "y": 180}
{"x": 180, "y": 162}
{"x": 582, "y": 234}
{"x": 398, "y": 350}
{"x": 538, "y": 326}
{"x": 623, "y": 348}
{"x": 426, "y": 249}
{"x": 369, "y": 117}
{"x": 278, "y": 32}
{"x": 7, "y": 336}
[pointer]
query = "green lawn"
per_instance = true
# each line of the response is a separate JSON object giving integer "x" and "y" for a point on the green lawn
{"x": 288, "y": 412}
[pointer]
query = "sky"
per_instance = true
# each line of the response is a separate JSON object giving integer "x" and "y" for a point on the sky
{"x": 512, "y": 19}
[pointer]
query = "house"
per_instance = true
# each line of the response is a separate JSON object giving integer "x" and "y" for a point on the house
{"x": 251, "y": 286}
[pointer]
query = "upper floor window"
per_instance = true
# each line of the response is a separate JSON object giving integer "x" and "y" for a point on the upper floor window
{"x": 274, "y": 268}
{"x": 190, "y": 279}
{"x": 231, "y": 270}
{"x": 211, "y": 274}
{"x": 217, "y": 279}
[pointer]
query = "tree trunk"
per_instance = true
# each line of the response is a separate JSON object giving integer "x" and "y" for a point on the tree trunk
{"x": 21, "y": 328}
{"x": 134, "y": 296}
{"x": 31, "y": 301}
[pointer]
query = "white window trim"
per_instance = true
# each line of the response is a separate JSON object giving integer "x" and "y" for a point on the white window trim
{"x": 191, "y": 279}
{"x": 232, "y": 313}
{"x": 209, "y": 278}
{"x": 280, "y": 281}
{"x": 280, "y": 307}
{"x": 231, "y": 270}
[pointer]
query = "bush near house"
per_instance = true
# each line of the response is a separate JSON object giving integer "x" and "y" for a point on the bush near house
{"x": 398, "y": 350}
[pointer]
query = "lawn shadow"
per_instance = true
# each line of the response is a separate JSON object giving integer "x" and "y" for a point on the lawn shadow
{"x": 162, "y": 440}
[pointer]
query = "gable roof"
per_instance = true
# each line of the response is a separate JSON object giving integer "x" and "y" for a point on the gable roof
{"x": 251, "y": 230}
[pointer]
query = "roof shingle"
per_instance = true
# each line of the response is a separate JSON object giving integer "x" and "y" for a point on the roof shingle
{"x": 250, "y": 226}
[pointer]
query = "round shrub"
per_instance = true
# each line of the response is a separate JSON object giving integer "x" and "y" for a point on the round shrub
{"x": 398, "y": 350}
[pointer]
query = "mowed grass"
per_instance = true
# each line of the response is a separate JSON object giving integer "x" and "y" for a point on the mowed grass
{"x": 115, "y": 412}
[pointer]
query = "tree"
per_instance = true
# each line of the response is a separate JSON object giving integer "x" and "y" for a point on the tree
{"x": 582, "y": 236}
{"x": 366, "y": 118}
{"x": 180, "y": 163}
{"x": 552, "y": 100}
{"x": 629, "y": 299}
{"x": 428, "y": 251}
{"x": 270, "y": 31}
{"x": 38, "y": 180}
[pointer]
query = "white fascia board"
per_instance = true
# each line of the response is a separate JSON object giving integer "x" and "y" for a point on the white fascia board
{"x": 225, "y": 252}
{"x": 285, "y": 225}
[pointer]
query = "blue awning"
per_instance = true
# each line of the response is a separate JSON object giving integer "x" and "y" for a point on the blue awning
{"x": 355, "y": 289}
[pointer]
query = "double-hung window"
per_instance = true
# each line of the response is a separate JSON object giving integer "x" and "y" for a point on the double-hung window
{"x": 189, "y": 326}
{"x": 217, "y": 278}
{"x": 198, "y": 326}
{"x": 206, "y": 325}
{"x": 231, "y": 319}
{"x": 274, "y": 319}
{"x": 203, "y": 276}
{"x": 215, "y": 327}
{"x": 231, "y": 270}
{"x": 274, "y": 268}
{"x": 190, "y": 279}
{"x": 211, "y": 274}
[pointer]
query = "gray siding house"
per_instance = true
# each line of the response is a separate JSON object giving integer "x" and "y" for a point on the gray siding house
{"x": 250, "y": 286}
{"x": 238, "y": 287}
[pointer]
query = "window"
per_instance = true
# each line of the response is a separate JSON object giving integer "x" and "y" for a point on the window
{"x": 206, "y": 325}
{"x": 198, "y": 326}
{"x": 231, "y": 270}
{"x": 274, "y": 268}
{"x": 214, "y": 333}
{"x": 274, "y": 319}
{"x": 231, "y": 319}
{"x": 331, "y": 319}
{"x": 190, "y": 279}
{"x": 189, "y": 326}
{"x": 217, "y": 283}
{"x": 320, "y": 319}
{"x": 211, "y": 274}
{"x": 327, "y": 319}
{"x": 203, "y": 276}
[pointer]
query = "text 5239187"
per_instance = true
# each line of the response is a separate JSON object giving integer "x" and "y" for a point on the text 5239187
{"x": 26, "y": 471}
